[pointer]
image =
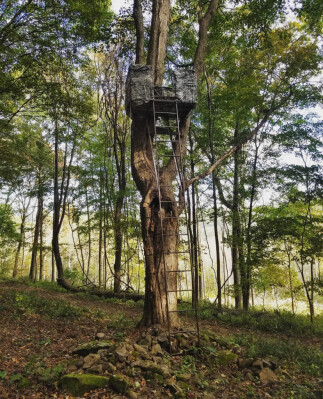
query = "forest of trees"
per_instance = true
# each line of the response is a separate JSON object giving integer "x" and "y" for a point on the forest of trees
{"x": 69, "y": 207}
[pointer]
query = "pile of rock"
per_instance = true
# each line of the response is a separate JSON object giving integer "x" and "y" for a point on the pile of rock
{"x": 121, "y": 366}
{"x": 125, "y": 367}
{"x": 261, "y": 368}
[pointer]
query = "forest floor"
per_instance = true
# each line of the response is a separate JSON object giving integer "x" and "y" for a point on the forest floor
{"x": 39, "y": 328}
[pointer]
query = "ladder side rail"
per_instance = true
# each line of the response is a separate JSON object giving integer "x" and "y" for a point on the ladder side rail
{"x": 156, "y": 167}
{"x": 180, "y": 169}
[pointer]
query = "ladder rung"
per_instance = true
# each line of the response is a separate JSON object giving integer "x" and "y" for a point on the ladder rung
{"x": 165, "y": 112}
{"x": 170, "y": 253}
{"x": 156, "y": 99}
{"x": 169, "y": 156}
{"x": 173, "y": 217}
{"x": 177, "y": 252}
{"x": 164, "y": 201}
{"x": 182, "y": 310}
{"x": 179, "y": 271}
{"x": 179, "y": 291}
{"x": 175, "y": 234}
{"x": 167, "y": 141}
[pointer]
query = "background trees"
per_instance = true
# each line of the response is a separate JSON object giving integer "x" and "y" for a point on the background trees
{"x": 65, "y": 144}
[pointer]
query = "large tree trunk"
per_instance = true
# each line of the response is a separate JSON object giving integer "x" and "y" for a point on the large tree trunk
{"x": 160, "y": 255}
{"x": 152, "y": 209}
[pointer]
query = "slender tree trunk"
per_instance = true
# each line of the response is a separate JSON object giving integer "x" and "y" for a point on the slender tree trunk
{"x": 291, "y": 288}
{"x": 41, "y": 246}
{"x": 60, "y": 198}
{"x": 194, "y": 243}
{"x": 20, "y": 242}
{"x": 236, "y": 232}
{"x": 246, "y": 283}
{"x": 217, "y": 244}
{"x": 100, "y": 231}
{"x": 118, "y": 244}
{"x": 89, "y": 236}
{"x": 39, "y": 215}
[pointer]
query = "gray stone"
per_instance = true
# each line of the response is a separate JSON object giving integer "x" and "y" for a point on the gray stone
{"x": 91, "y": 360}
{"x": 121, "y": 353}
{"x": 156, "y": 350}
{"x": 162, "y": 339}
{"x": 129, "y": 347}
{"x": 174, "y": 388}
{"x": 267, "y": 376}
{"x": 249, "y": 376}
{"x": 75, "y": 364}
{"x": 118, "y": 383}
{"x": 92, "y": 347}
{"x": 140, "y": 348}
{"x": 225, "y": 357}
{"x": 245, "y": 363}
{"x": 78, "y": 384}
{"x": 184, "y": 377}
{"x": 107, "y": 366}
{"x": 96, "y": 369}
{"x": 152, "y": 367}
{"x": 258, "y": 364}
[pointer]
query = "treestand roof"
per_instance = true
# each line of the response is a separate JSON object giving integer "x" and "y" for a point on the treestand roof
{"x": 140, "y": 91}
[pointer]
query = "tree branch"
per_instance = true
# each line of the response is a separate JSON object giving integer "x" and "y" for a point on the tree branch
{"x": 230, "y": 152}
{"x": 139, "y": 24}
{"x": 204, "y": 23}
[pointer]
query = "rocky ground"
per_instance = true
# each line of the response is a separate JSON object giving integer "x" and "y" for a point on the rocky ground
{"x": 58, "y": 345}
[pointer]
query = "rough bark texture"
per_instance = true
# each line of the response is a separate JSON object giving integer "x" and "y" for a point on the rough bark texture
{"x": 158, "y": 39}
{"x": 33, "y": 266}
{"x": 155, "y": 309}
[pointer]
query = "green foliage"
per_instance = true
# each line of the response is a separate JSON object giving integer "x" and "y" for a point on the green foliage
{"x": 44, "y": 284}
{"x": 32, "y": 303}
{"x": 8, "y": 233}
{"x": 36, "y": 368}
{"x": 120, "y": 322}
{"x": 270, "y": 321}
{"x": 309, "y": 360}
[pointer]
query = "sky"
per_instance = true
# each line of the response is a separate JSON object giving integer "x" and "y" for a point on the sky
{"x": 116, "y": 4}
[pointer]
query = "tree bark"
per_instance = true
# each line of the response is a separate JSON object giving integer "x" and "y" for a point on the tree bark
{"x": 20, "y": 242}
{"x": 156, "y": 305}
{"x": 236, "y": 232}
{"x": 152, "y": 208}
{"x": 39, "y": 215}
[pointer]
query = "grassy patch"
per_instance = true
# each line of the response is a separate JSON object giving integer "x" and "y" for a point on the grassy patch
{"x": 30, "y": 303}
{"x": 44, "y": 284}
{"x": 308, "y": 360}
{"x": 269, "y": 321}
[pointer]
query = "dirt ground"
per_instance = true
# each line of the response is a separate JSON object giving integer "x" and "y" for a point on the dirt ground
{"x": 32, "y": 345}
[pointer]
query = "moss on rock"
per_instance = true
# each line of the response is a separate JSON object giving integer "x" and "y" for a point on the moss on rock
{"x": 118, "y": 383}
{"x": 92, "y": 347}
{"x": 78, "y": 384}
